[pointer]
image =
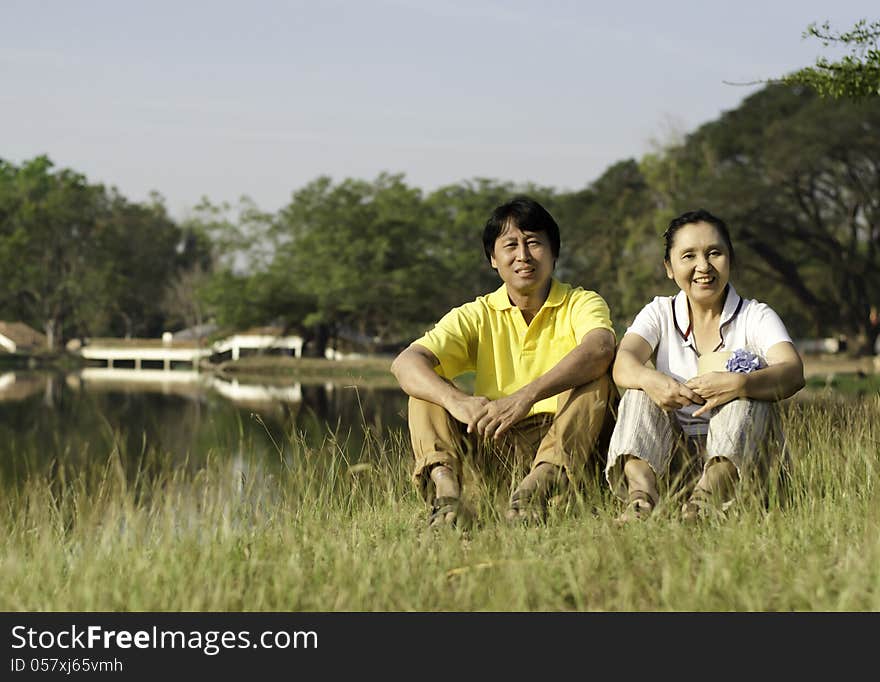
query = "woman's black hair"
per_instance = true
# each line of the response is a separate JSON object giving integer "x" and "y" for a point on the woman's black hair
{"x": 701, "y": 215}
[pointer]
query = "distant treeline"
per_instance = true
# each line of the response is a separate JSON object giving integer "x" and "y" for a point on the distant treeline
{"x": 796, "y": 177}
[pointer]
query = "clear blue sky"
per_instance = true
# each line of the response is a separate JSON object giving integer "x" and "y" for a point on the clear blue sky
{"x": 259, "y": 97}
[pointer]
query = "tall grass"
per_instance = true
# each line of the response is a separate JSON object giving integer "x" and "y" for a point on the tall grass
{"x": 337, "y": 527}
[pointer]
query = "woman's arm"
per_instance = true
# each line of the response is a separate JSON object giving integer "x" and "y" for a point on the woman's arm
{"x": 631, "y": 371}
{"x": 781, "y": 378}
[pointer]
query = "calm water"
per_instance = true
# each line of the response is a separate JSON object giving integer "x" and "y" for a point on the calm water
{"x": 86, "y": 416}
{"x": 46, "y": 416}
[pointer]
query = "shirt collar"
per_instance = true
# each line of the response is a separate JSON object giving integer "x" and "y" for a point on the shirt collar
{"x": 682, "y": 317}
{"x": 499, "y": 300}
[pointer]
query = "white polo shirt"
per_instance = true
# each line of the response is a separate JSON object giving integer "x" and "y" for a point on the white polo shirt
{"x": 665, "y": 323}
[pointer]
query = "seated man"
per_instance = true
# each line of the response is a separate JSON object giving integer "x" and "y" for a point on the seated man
{"x": 541, "y": 351}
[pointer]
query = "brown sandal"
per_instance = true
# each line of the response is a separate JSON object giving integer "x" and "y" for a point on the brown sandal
{"x": 525, "y": 507}
{"x": 698, "y": 506}
{"x": 639, "y": 506}
{"x": 528, "y": 503}
{"x": 440, "y": 507}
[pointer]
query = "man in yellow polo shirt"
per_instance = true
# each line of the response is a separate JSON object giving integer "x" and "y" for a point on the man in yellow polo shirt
{"x": 541, "y": 351}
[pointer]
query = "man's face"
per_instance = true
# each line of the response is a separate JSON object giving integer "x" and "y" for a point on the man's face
{"x": 524, "y": 260}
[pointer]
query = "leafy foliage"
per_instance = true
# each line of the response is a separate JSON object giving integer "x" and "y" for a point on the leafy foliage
{"x": 77, "y": 259}
{"x": 796, "y": 177}
{"x": 374, "y": 263}
{"x": 857, "y": 74}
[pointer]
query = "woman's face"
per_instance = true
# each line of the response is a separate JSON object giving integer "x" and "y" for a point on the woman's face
{"x": 699, "y": 262}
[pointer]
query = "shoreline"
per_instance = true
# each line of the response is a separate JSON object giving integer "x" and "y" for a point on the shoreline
{"x": 281, "y": 369}
{"x": 378, "y": 368}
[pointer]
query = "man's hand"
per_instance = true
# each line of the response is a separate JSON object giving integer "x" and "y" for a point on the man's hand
{"x": 499, "y": 415}
{"x": 670, "y": 394}
{"x": 468, "y": 409}
{"x": 717, "y": 388}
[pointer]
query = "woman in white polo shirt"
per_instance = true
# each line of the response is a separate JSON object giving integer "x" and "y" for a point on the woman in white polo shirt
{"x": 719, "y": 416}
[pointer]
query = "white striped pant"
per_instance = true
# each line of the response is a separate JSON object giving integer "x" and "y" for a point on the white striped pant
{"x": 737, "y": 432}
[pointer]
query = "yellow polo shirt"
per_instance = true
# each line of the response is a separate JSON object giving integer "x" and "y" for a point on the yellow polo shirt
{"x": 490, "y": 336}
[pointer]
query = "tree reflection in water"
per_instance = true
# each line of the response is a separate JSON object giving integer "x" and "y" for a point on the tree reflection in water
{"x": 44, "y": 417}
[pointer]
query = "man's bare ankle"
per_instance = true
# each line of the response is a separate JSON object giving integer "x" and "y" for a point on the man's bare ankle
{"x": 445, "y": 481}
{"x": 543, "y": 480}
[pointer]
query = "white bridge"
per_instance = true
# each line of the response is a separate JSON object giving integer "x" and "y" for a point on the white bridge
{"x": 237, "y": 342}
{"x": 167, "y": 354}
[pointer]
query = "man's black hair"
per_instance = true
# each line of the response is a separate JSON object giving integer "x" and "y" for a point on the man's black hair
{"x": 526, "y": 214}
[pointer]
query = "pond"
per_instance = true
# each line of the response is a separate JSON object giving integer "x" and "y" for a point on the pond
{"x": 182, "y": 415}
{"x": 188, "y": 417}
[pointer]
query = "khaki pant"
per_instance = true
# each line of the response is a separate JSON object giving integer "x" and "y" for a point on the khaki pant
{"x": 575, "y": 438}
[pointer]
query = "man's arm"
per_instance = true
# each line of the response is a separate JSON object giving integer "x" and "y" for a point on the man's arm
{"x": 414, "y": 371}
{"x": 588, "y": 360}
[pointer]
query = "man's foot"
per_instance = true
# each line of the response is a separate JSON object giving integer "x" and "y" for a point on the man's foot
{"x": 528, "y": 503}
{"x": 640, "y": 506}
{"x": 524, "y": 508}
{"x": 446, "y": 505}
{"x": 444, "y": 512}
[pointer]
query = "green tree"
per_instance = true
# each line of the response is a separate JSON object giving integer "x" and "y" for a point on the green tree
{"x": 139, "y": 252}
{"x": 78, "y": 259}
{"x": 855, "y": 75}
{"x": 796, "y": 178}
{"x": 229, "y": 277}
{"x": 357, "y": 250}
{"x": 612, "y": 247}
{"x": 184, "y": 303}
{"x": 47, "y": 225}
{"x": 457, "y": 215}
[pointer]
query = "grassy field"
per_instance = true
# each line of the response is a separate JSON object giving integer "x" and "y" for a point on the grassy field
{"x": 329, "y": 529}
{"x": 284, "y": 369}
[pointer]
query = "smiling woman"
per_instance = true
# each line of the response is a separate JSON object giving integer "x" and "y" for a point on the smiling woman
{"x": 698, "y": 259}
{"x": 720, "y": 415}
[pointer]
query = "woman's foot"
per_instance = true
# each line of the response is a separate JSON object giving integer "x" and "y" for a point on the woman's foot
{"x": 697, "y": 506}
{"x": 702, "y": 505}
{"x": 713, "y": 493}
{"x": 642, "y": 495}
{"x": 639, "y": 507}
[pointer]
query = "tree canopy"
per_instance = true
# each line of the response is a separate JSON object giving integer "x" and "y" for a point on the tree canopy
{"x": 796, "y": 178}
{"x": 855, "y": 75}
{"x": 373, "y": 263}
{"x": 77, "y": 259}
